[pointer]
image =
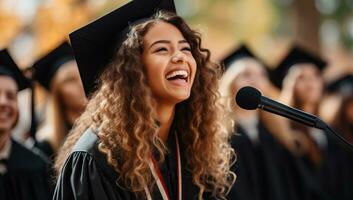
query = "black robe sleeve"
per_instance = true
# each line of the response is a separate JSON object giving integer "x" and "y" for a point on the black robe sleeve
{"x": 81, "y": 179}
{"x": 87, "y": 176}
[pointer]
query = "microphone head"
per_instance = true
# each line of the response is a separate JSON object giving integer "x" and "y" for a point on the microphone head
{"x": 248, "y": 98}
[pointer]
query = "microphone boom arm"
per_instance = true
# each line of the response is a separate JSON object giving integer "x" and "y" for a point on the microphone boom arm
{"x": 304, "y": 118}
{"x": 250, "y": 98}
{"x": 288, "y": 112}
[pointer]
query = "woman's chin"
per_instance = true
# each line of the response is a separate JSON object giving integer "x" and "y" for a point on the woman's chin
{"x": 172, "y": 96}
{"x": 180, "y": 98}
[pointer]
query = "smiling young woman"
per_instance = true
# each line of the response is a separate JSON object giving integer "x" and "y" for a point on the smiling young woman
{"x": 152, "y": 128}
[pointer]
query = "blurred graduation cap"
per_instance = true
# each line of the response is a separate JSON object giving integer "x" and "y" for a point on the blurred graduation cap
{"x": 242, "y": 52}
{"x": 239, "y": 53}
{"x": 95, "y": 43}
{"x": 9, "y": 68}
{"x": 45, "y": 68}
{"x": 296, "y": 55}
{"x": 343, "y": 85}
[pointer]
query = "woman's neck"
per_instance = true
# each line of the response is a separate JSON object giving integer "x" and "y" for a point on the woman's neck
{"x": 165, "y": 114}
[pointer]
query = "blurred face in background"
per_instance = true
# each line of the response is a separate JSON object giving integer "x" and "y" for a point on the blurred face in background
{"x": 308, "y": 87}
{"x": 8, "y": 103}
{"x": 68, "y": 87}
{"x": 252, "y": 73}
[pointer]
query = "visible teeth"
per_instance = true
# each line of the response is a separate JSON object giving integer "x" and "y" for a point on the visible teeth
{"x": 182, "y": 73}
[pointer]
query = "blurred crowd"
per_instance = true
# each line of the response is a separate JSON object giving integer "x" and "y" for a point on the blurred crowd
{"x": 278, "y": 158}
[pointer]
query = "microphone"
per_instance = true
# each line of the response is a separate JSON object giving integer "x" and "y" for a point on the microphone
{"x": 250, "y": 98}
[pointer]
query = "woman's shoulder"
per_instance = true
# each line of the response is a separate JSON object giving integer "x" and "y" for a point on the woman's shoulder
{"x": 86, "y": 173}
{"x": 86, "y": 152}
{"x": 88, "y": 143}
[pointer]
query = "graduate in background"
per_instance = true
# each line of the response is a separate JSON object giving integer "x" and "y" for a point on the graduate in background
{"x": 343, "y": 124}
{"x": 57, "y": 72}
{"x": 23, "y": 175}
{"x": 343, "y": 120}
{"x": 259, "y": 175}
{"x": 299, "y": 75}
{"x": 152, "y": 128}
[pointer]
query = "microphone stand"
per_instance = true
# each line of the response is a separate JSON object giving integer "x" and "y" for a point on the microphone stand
{"x": 323, "y": 126}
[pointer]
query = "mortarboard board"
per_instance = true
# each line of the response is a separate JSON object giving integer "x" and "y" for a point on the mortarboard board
{"x": 95, "y": 43}
{"x": 242, "y": 52}
{"x": 45, "y": 68}
{"x": 343, "y": 85}
{"x": 239, "y": 53}
{"x": 295, "y": 56}
{"x": 9, "y": 68}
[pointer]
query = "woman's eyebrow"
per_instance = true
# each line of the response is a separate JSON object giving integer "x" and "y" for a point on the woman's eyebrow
{"x": 166, "y": 42}
{"x": 160, "y": 41}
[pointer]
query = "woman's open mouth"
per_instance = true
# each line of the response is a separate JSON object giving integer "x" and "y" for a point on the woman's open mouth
{"x": 178, "y": 77}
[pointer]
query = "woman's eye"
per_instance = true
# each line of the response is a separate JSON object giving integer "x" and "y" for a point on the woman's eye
{"x": 186, "y": 49}
{"x": 161, "y": 49}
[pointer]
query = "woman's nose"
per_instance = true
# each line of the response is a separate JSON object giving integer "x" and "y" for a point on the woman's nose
{"x": 178, "y": 57}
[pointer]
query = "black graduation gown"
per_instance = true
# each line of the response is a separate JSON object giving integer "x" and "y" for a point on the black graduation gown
{"x": 26, "y": 177}
{"x": 86, "y": 175}
{"x": 299, "y": 181}
{"x": 267, "y": 171}
{"x": 46, "y": 149}
{"x": 336, "y": 172}
{"x": 346, "y": 183}
{"x": 257, "y": 177}
{"x": 247, "y": 185}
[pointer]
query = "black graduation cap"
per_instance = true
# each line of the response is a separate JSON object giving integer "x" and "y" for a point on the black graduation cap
{"x": 45, "y": 68}
{"x": 343, "y": 85}
{"x": 242, "y": 52}
{"x": 9, "y": 68}
{"x": 296, "y": 55}
{"x": 95, "y": 43}
{"x": 239, "y": 53}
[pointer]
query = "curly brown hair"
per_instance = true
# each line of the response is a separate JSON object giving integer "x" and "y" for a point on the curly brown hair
{"x": 123, "y": 110}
